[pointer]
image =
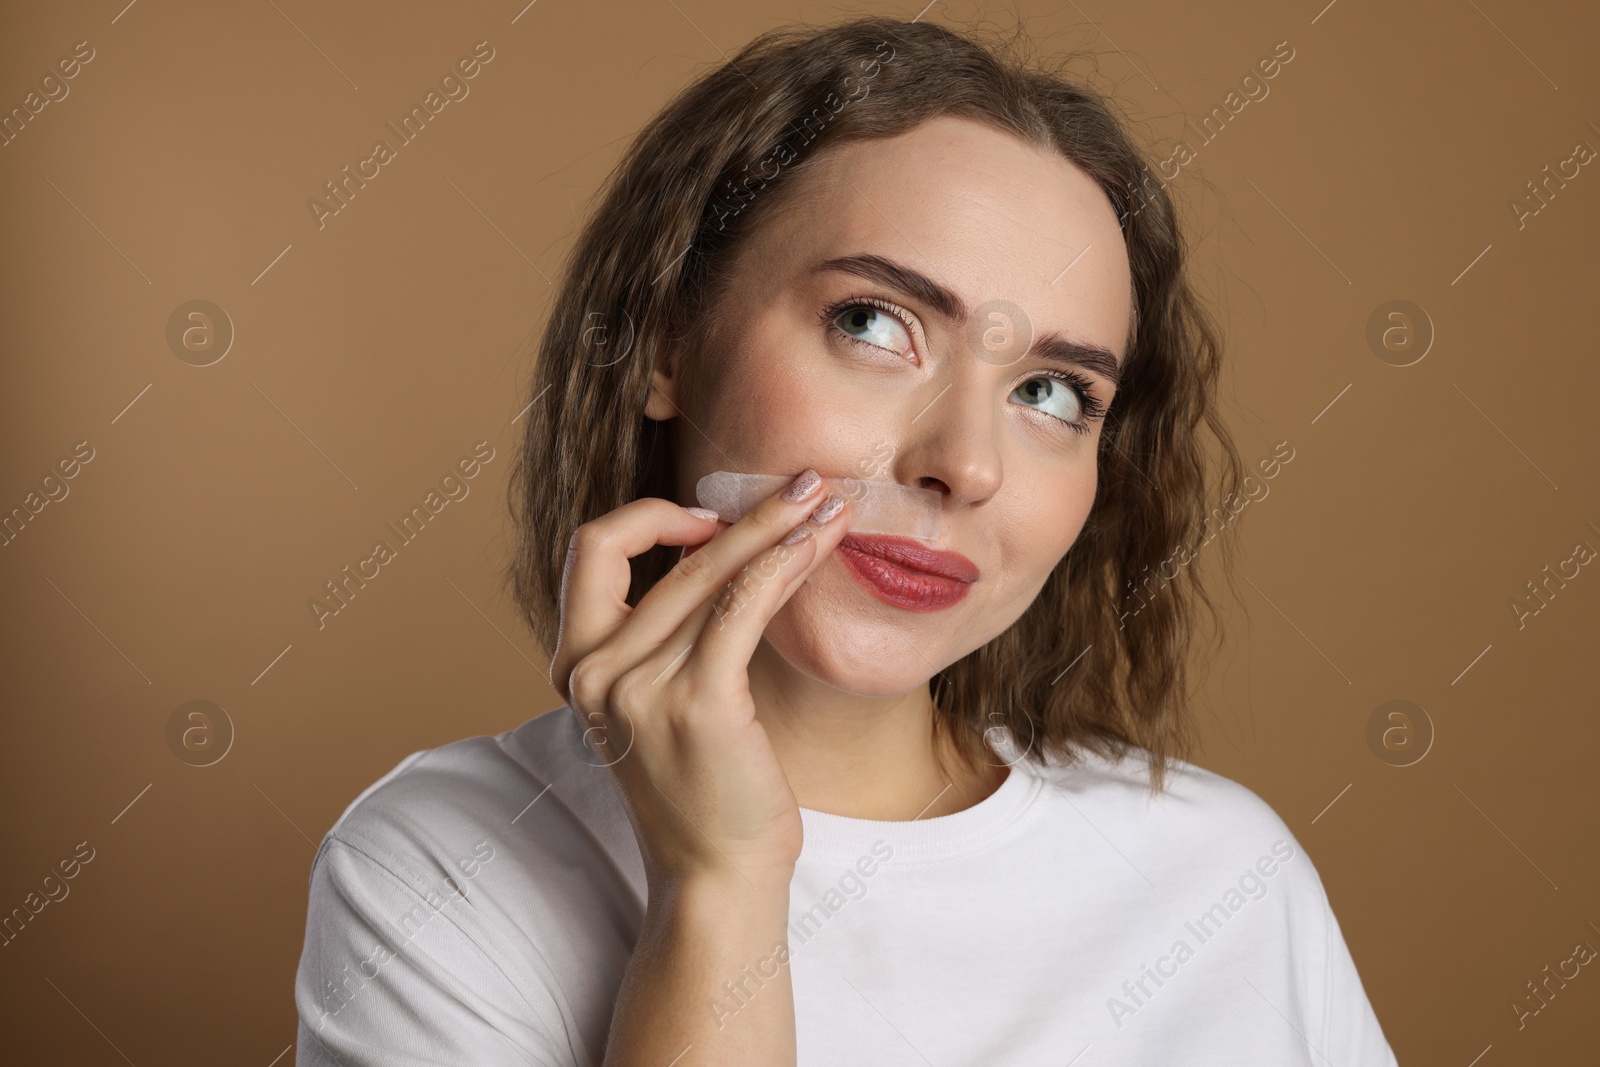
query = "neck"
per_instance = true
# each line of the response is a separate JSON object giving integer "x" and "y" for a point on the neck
{"x": 865, "y": 757}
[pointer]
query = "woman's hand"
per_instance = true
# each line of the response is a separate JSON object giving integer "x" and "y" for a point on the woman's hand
{"x": 663, "y": 689}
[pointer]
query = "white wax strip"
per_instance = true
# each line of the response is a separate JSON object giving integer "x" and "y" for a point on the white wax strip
{"x": 875, "y": 507}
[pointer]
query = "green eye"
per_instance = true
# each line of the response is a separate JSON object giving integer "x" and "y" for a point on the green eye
{"x": 863, "y": 321}
{"x": 1062, "y": 396}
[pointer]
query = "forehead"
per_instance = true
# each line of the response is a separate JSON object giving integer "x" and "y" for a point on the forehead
{"x": 977, "y": 209}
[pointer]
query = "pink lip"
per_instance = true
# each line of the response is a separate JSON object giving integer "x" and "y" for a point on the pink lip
{"x": 901, "y": 572}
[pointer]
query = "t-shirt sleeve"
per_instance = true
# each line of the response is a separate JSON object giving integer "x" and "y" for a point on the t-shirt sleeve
{"x": 391, "y": 976}
{"x": 1351, "y": 1034}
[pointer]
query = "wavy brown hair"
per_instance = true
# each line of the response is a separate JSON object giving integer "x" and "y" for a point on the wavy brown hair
{"x": 1082, "y": 665}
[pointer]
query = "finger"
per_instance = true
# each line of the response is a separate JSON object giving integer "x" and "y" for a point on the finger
{"x": 721, "y": 635}
{"x": 595, "y": 577}
{"x": 698, "y": 577}
{"x": 689, "y": 550}
{"x": 740, "y": 602}
{"x": 730, "y": 637}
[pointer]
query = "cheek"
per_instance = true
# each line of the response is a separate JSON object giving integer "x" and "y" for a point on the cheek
{"x": 754, "y": 392}
{"x": 776, "y": 412}
{"x": 1074, "y": 507}
{"x": 825, "y": 631}
{"x": 1032, "y": 539}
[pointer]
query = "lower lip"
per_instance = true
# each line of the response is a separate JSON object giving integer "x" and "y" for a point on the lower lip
{"x": 912, "y": 590}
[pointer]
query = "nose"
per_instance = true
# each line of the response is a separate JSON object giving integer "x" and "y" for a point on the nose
{"x": 952, "y": 444}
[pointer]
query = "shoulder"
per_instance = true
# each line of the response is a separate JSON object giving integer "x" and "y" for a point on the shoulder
{"x": 439, "y": 807}
{"x": 1190, "y": 792}
{"x": 454, "y": 876}
{"x": 1201, "y": 824}
{"x": 1208, "y": 859}
{"x": 431, "y": 794}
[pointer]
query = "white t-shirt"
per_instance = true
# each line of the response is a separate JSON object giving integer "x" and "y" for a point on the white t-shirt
{"x": 478, "y": 904}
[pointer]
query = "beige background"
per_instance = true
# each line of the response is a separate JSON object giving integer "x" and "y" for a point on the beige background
{"x": 371, "y": 354}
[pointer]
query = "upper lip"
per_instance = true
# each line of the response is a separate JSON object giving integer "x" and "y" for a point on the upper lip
{"x": 906, "y": 553}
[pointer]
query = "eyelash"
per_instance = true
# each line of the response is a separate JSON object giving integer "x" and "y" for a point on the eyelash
{"x": 1092, "y": 407}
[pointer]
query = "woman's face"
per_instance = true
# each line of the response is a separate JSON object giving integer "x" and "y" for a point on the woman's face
{"x": 873, "y": 372}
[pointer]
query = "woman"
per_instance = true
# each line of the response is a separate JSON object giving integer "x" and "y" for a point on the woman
{"x": 825, "y": 797}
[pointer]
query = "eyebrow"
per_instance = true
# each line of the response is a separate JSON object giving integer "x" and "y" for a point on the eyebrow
{"x": 1050, "y": 345}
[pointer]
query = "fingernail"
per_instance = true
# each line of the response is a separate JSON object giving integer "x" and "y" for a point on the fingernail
{"x": 702, "y": 513}
{"x": 795, "y": 536}
{"x": 808, "y": 482}
{"x": 826, "y": 510}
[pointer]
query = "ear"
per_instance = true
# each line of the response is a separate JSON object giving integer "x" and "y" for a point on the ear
{"x": 663, "y": 401}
